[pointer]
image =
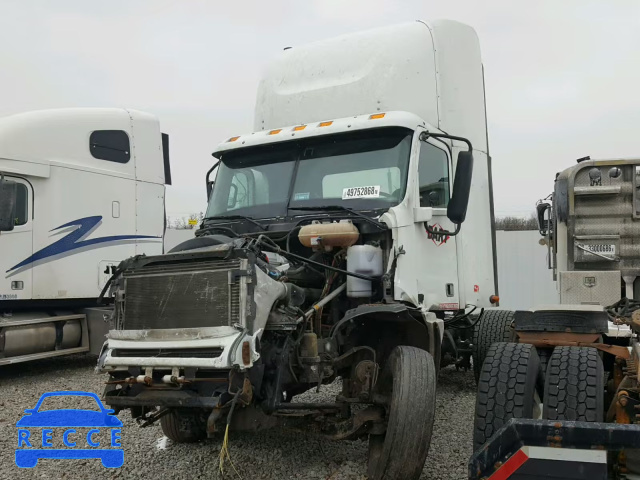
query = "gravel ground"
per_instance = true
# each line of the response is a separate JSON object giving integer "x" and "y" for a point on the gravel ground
{"x": 267, "y": 455}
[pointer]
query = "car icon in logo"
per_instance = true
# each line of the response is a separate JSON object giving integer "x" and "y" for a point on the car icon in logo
{"x": 80, "y": 431}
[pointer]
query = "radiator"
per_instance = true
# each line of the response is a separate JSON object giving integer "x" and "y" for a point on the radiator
{"x": 184, "y": 295}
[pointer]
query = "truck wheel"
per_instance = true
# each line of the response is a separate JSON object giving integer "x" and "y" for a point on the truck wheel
{"x": 493, "y": 326}
{"x": 574, "y": 386}
{"x": 183, "y": 427}
{"x": 544, "y": 354}
{"x": 506, "y": 388}
{"x": 409, "y": 381}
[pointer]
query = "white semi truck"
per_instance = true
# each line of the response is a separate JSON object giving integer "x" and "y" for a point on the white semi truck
{"x": 80, "y": 190}
{"x": 558, "y": 392}
{"x": 333, "y": 247}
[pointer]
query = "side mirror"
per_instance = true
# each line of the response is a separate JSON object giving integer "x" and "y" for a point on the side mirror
{"x": 457, "y": 208}
{"x": 543, "y": 224}
{"x": 8, "y": 199}
{"x": 211, "y": 183}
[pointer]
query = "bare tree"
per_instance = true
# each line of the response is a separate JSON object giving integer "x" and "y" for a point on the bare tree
{"x": 185, "y": 223}
{"x": 517, "y": 223}
{"x": 181, "y": 224}
{"x": 193, "y": 218}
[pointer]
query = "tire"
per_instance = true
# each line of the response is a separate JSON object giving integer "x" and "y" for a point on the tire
{"x": 574, "y": 385}
{"x": 544, "y": 354}
{"x": 493, "y": 326}
{"x": 183, "y": 427}
{"x": 506, "y": 388}
{"x": 409, "y": 377}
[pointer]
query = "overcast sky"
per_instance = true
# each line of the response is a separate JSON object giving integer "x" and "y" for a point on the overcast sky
{"x": 562, "y": 77}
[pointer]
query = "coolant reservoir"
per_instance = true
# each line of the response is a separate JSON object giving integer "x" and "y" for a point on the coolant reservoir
{"x": 328, "y": 235}
{"x": 365, "y": 260}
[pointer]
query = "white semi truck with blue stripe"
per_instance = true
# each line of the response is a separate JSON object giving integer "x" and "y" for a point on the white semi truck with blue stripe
{"x": 80, "y": 190}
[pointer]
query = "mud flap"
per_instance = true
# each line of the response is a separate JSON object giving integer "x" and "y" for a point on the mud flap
{"x": 528, "y": 449}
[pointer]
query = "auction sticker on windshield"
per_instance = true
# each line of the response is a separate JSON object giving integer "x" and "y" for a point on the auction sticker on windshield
{"x": 361, "y": 192}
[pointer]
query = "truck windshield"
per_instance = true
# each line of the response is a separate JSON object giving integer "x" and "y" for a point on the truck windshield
{"x": 363, "y": 170}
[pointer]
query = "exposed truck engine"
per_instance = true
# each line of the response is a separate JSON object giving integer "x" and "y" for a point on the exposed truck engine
{"x": 331, "y": 249}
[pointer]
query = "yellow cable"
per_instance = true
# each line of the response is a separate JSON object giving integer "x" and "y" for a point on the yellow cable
{"x": 224, "y": 452}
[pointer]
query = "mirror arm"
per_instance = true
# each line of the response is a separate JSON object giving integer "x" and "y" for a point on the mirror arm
{"x": 208, "y": 182}
{"x": 425, "y": 135}
{"x": 431, "y": 231}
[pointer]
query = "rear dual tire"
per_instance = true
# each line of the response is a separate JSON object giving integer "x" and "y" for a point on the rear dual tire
{"x": 506, "y": 388}
{"x": 509, "y": 387}
{"x": 493, "y": 326}
{"x": 574, "y": 385}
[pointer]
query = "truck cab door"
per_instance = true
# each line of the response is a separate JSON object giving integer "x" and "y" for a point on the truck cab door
{"x": 16, "y": 246}
{"x": 437, "y": 259}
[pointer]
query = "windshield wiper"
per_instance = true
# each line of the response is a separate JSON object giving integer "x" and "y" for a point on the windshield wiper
{"x": 236, "y": 217}
{"x": 340, "y": 208}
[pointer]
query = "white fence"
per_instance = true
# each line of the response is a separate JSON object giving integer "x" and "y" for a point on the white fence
{"x": 524, "y": 281}
{"x": 523, "y": 278}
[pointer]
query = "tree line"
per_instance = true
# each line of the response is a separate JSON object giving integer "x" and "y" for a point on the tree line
{"x": 510, "y": 223}
{"x": 185, "y": 223}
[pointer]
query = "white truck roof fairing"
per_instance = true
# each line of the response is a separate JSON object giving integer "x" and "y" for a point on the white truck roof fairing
{"x": 440, "y": 79}
{"x": 30, "y": 143}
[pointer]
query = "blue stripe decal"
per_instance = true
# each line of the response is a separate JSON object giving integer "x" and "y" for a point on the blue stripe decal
{"x": 74, "y": 240}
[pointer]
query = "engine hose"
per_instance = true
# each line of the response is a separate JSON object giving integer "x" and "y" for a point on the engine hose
{"x": 300, "y": 258}
{"x": 321, "y": 303}
{"x": 623, "y": 308}
{"x": 455, "y": 322}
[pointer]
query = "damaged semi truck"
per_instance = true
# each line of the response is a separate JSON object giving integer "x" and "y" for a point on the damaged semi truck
{"x": 333, "y": 247}
{"x": 560, "y": 397}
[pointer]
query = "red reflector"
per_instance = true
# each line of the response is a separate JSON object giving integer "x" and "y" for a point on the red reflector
{"x": 510, "y": 466}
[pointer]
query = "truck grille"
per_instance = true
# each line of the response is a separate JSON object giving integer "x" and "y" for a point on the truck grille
{"x": 605, "y": 220}
{"x": 183, "y": 295}
{"x": 173, "y": 353}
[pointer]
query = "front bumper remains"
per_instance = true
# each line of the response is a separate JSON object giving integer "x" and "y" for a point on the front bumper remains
{"x": 166, "y": 349}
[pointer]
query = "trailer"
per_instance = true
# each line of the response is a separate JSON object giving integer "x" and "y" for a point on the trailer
{"x": 80, "y": 190}
{"x": 558, "y": 393}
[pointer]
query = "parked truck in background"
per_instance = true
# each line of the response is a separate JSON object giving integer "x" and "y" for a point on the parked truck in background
{"x": 567, "y": 375}
{"x": 333, "y": 247}
{"x": 80, "y": 190}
